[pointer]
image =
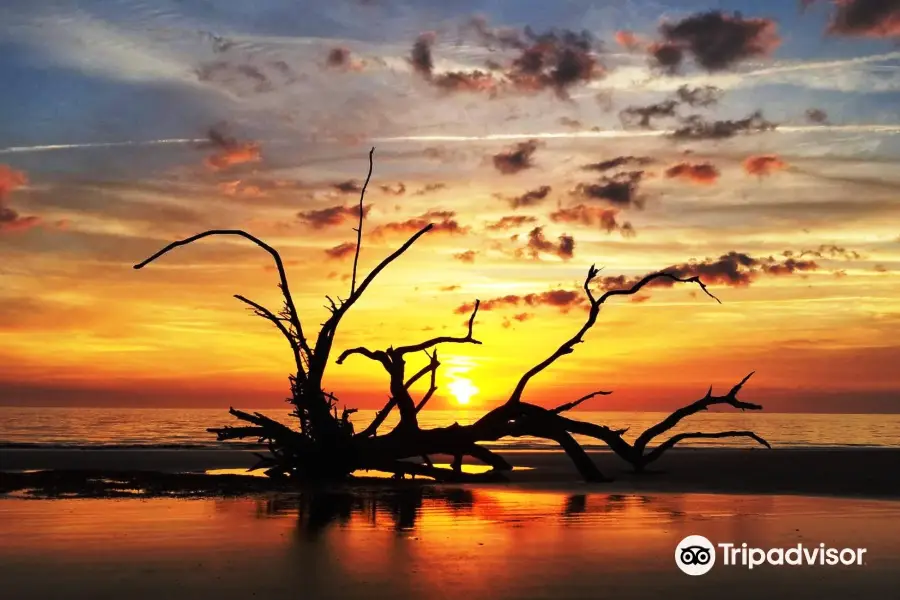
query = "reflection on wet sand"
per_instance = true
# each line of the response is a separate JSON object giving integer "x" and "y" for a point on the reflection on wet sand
{"x": 422, "y": 541}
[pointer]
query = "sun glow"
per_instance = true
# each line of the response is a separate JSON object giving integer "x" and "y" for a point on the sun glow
{"x": 463, "y": 390}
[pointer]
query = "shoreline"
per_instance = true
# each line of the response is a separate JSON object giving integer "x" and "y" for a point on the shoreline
{"x": 846, "y": 472}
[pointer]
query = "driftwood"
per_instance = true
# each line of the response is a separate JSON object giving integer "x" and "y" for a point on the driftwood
{"x": 325, "y": 445}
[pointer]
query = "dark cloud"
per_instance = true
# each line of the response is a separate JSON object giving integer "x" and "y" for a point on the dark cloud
{"x": 564, "y": 300}
{"x": 516, "y": 159}
{"x": 666, "y": 57}
{"x": 510, "y": 222}
{"x": 420, "y": 58}
{"x": 606, "y": 219}
{"x": 703, "y": 173}
{"x": 229, "y": 151}
{"x": 570, "y": 123}
{"x": 467, "y": 257}
{"x": 538, "y": 244}
{"x": 641, "y": 116}
{"x": 619, "y": 190}
{"x": 695, "y": 127}
{"x": 332, "y": 216}
{"x": 244, "y": 75}
{"x": 555, "y": 60}
{"x": 443, "y": 221}
{"x": 701, "y": 96}
{"x": 716, "y": 40}
{"x": 397, "y": 189}
{"x": 429, "y": 188}
{"x": 734, "y": 269}
{"x": 341, "y": 251}
{"x": 763, "y": 165}
{"x": 825, "y": 251}
{"x": 342, "y": 59}
{"x": 350, "y": 186}
{"x": 864, "y": 18}
{"x": 816, "y": 115}
{"x": 449, "y": 288}
{"x": 10, "y": 220}
{"x": 529, "y": 198}
{"x": 619, "y": 161}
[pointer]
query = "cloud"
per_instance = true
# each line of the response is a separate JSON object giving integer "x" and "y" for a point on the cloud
{"x": 734, "y": 269}
{"x": 825, "y": 251}
{"x": 341, "y": 59}
{"x": 429, "y": 188}
{"x": 593, "y": 216}
{"x": 516, "y": 159}
{"x": 716, "y": 40}
{"x": 443, "y": 221}
{"x": 510, "y": 222}
{"x": 467, "y": 257}
{"x": 864, "y": 18}
{"x": 628, "y": 40}
{"x": 230, "y": 151}
{"x": 696, "y": 127}
{"x": 10, "y": 180}
{"x": 619, "y": 161}
{"x": 555, "y": 60}
{"x": 564, "y": 300}
{"x": 704, "y": 173}
{"x": 816, "y": 115}
{"x": 10, "y": 220}
{"x": 641, "y": 116}
{"x": 699, "y": 97}
{"x": 397, "y": 189}
{"x": 332, "y": 216}
{"x": 667, "y": 57}
{"x": 449, "y": 288}
{"x": 619, "y": 190}
{"x": 350, "y": 186}
{"x": 529, "y": 198}
{"x": 341, "y": 251}
{"x": 763, "y": 165}
{"x": 422, "y": 62}
{"x": 570, "y": 123}
{"x": 538, "y": 244}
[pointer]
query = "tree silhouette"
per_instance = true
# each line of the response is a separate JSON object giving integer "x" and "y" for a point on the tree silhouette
{"x": 325, "y": 446}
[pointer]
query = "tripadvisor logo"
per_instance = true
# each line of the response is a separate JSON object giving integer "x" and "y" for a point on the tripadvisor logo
{"x": 696, "y": 555}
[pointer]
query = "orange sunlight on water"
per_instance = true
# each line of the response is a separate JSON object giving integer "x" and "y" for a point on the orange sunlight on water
{"x": 415, "y": 542}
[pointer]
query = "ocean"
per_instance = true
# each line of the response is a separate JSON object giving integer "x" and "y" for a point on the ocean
{"x": 165, "y": 427}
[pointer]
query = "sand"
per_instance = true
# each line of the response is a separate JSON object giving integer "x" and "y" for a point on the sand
{"x": 867, "y": 472}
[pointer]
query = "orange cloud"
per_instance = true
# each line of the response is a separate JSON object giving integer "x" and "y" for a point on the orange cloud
{"x": 702, "y": 173}
{"x": 764, "y": 165}
{"x": 230, "y": 152}
{"x": 10, "y": 220}
{"x": 10, "y": 180}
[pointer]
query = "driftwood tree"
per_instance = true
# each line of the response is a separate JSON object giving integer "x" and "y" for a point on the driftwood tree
{"x": 325, "y": 445}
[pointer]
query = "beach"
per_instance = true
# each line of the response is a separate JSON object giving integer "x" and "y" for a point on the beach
{"x": 860, "y": 472}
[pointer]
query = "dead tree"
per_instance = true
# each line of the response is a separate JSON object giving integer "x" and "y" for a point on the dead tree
{"x": 325, "y": 446}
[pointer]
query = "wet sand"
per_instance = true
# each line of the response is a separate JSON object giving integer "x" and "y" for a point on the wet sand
{"x": 866, "y": 472}
{"x": 436, "y": 542}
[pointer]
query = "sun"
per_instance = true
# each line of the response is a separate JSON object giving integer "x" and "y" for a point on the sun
{"x": 463, "y": 390}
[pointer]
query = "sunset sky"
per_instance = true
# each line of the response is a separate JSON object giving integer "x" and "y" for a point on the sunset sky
{"x": 539, "y": 137}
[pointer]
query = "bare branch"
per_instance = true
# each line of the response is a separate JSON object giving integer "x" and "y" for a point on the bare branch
{"x": 669, "y": 443}
{"x": 700, "y": 405}
{"x": 278, "y": 322}
{"x": 376, "y": 355}
{"x": 443, "y": 339}
{"x": 571, "y": 405}
{"x": 285, "y": 290}
{"x": 362, "y": 195}
{"x": 433, "y": 367}
{"x": 569, "y": 346}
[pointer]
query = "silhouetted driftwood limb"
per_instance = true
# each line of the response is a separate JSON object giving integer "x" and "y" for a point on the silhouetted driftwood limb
{"x": 325, "y": 445}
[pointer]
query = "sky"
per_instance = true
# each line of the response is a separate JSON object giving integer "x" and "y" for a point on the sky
{"x": 752, "y": 144}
